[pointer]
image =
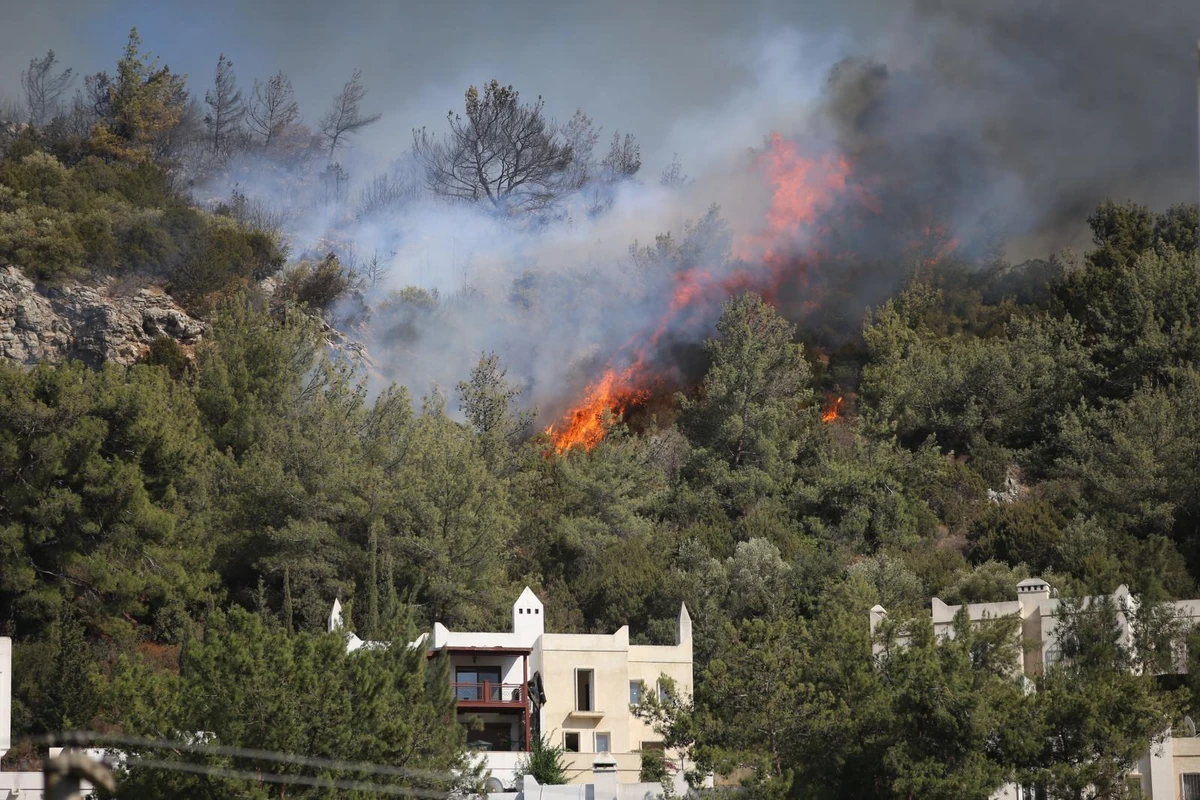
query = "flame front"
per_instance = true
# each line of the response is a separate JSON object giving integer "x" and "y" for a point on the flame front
{"x": 587, "y": 423}
{"x": 802, "y": 190}
{"x": 833, "y": 411}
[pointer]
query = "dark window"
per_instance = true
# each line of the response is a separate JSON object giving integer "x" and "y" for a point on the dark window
{"x": 1191, "y": 785}
{"x": 571, "y": 742}
{"x": 583, "y": 690}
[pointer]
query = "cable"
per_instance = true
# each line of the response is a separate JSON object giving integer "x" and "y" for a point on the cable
{"x": 295, "y": 780}
{"x": 89, "y": 737}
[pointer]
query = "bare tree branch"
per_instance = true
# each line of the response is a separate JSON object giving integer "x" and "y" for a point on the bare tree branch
{"x": 672, "y": 177}
{"x": 503, "y": 152}
{"x": 224, "y": 117}
{"x": 345, "y": 116}
{"x": 43, "y": 88}
{"x": 272, "y": 108}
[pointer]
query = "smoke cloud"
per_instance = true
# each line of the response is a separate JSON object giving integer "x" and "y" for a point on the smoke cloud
{"x": 1004, "y": 123}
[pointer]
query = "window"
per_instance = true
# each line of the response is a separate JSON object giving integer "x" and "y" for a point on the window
{"x": 571, "y": 741}
{"x": 1191, "y": 785}
{"x": 602, "y": 743}
{"x": 470, "y": 682}
{"x": 635, "y": 692}
{"x": 663, "y": 694}
{"x": 584, "y": 690}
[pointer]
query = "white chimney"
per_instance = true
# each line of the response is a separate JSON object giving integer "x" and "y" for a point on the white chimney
{"x": 528, "y": 616}
{"x": 604, "y": 778}
{"x": 1030, "y": 593}
{"x": 335, "y": 616}
{"x": 683, "y": 626}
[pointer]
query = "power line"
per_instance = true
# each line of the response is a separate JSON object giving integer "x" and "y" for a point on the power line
{"x": 294, "y": 780}
{"x": 91, "y": 737}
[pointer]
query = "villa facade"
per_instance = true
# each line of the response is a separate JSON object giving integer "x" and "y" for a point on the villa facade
{"x": 1170, "y": 770}
{"x": 575, "y": 689}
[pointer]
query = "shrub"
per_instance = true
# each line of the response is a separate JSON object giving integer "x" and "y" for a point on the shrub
{"x": 42, "y": 242}
{"x": 545, "y": 763}
{"x": 221, "y": 255}
{"x": 166, "y": 352}
{"x": 654, "y": 767}
{"x": 317, "y": 285}
{"x": 43, "y": 180}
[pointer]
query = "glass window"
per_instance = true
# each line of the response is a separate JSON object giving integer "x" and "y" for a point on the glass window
{"x": 571, "y": 741}
{"x": 635, "y": 692}
{"x": 602, "y": 743}
{"x": 662, "y": 692}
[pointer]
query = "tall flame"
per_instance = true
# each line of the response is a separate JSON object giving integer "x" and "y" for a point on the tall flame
{"x": 833, "y": 411}
{"x": 587, "y": 423}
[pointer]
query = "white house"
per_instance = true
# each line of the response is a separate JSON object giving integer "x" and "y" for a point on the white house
{"x": 1171, "y": 770}
{"x": 576, "y": 690}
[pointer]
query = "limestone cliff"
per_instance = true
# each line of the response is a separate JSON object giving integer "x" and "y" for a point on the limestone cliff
{"x": 94, "y": 322}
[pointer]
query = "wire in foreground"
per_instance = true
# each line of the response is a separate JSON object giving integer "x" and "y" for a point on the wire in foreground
{"x": 267, "y": 777}
{"x": 90, "y": 737}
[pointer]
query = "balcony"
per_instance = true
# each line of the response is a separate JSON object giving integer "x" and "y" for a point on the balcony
{"x": 499, "y": 696}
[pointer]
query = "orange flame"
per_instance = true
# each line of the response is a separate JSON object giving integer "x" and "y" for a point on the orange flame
{"x": 833, "y": 411}
{"x": 587, "y": 423}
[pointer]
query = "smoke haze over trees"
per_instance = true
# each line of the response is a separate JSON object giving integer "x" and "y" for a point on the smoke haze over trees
{"x": 801, "y": 273}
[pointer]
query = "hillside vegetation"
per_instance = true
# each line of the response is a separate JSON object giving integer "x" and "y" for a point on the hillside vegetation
{"x": 172, "y": 534}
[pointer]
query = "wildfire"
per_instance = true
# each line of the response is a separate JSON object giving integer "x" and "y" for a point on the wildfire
{"x": 833, "y": 411}
{"x": 802, "y": 190}
{"x": 808, "y": 191}
{"x": 587, "y": 423}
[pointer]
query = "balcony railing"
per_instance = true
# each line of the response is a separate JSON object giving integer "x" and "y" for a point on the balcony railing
{"x": 490, "y": 693}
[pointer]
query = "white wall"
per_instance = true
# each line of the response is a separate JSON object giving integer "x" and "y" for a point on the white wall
{"x": 5, "y": 694}
{"x": 21, "y": 785}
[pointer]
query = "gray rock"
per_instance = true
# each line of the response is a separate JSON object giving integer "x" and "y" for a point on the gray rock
{"x": 92, "y": 323}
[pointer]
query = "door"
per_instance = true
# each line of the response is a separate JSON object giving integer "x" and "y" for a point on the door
{"x": 469, "y": 682}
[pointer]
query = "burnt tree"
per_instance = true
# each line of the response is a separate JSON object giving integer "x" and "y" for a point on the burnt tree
{"x": 502, "y": 151}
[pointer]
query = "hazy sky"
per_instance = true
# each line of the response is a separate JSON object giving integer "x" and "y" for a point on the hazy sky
{"x": 637, "y": 66}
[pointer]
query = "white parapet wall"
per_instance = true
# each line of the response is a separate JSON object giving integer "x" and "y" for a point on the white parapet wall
{"x": 5, "y": 694}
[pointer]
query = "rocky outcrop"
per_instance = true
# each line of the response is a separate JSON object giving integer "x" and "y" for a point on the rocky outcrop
{"x": 92, "y": 323}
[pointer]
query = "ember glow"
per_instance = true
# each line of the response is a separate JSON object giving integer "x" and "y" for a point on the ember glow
{"x": 833, "y": 411}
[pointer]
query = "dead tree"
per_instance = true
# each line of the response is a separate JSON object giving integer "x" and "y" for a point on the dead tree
{"x": 503, "y": 152}
{"x": 272, "y": 108}
{"x": 345, "y": 116}
{"x": 43, "y": 88}
{"x": 624, "y": 159}
{"x": 672, "y": 176}
{"x": 225, "y": 110}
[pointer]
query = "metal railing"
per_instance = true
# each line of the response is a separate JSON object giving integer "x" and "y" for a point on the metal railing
{"x": 488, "y": 692}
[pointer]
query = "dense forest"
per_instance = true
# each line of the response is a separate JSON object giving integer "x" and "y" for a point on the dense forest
{"x": 172, "y": 534}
